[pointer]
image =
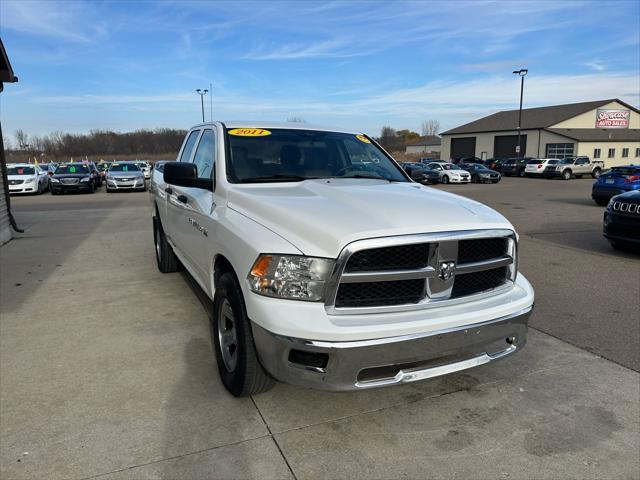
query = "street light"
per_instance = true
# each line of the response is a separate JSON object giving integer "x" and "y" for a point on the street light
{"x": 202, "y": 93}
{"x": 522, "y": 72}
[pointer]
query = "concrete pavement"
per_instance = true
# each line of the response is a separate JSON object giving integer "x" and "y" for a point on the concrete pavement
{"x": 106, "y": 372}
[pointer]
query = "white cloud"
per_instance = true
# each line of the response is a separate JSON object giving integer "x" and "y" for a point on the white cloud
{"x": 596, "y": 65}
{"x": 453, "y": 102}
{"x": 68, "y": 21}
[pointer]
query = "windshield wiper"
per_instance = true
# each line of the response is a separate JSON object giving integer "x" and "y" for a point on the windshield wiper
{"x": 276, "y": 178}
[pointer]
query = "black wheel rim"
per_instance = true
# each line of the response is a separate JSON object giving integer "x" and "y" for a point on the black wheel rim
{"x": 227, "y": 336}
{"x": 156, "y": 238}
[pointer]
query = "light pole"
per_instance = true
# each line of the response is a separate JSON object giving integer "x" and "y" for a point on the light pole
{"x": 522, "y": 72}
{"x": 202, "y": 93}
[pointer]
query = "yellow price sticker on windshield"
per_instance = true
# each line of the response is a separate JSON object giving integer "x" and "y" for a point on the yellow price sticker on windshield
{"x": 249, "y": 132}
{"x": 362, "y": 138}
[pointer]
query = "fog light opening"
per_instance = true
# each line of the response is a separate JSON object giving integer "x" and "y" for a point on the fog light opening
{"x": 511, "y": 340}
{"x": 313, "y": 360}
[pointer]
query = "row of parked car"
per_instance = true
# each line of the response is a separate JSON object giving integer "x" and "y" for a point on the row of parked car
{"x": 445, "y": 172}
{"x": 564, "y": 168}
{"x": 85, "y": 177}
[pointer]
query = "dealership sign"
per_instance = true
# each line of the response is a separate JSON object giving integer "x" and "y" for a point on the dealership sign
{"x": 610, "y": 118}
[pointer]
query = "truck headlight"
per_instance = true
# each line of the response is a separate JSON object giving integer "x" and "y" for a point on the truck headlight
{"x": 290, "y": 276}
{"x": 54, "y": 180}
{"x": 85, "y": 179}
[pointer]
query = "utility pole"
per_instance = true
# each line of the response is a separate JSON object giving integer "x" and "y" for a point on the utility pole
{"x": 522, "y": 72}
{"x": 202, "y": 93}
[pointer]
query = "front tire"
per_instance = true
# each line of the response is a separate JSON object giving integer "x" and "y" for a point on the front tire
{"x": 601, "y": 202}
{"x": 596, "y": 173}
{"x": 240, "y": 370}
{"x": 445, "y": 179}
{"x": 522, "y": 174}
{"x": 566, "y": 175}
{"x": 165, "y": 258}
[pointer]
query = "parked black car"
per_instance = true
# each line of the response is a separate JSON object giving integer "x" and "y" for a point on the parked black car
{"x": 421, "y": 173}
{"x": 622, "y": 221}
{"x": 73, "y": 177}
{"x": 460, "y": 160}
{"x": 495, "y": 164}
{"x": 480, "y": 173}
{"x": 514, "y": 167}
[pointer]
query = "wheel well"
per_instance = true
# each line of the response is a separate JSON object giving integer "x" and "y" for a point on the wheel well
{"x": 220, "y": 267}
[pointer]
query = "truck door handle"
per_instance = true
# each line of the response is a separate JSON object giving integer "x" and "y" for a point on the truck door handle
{"x": 182, "y": 198}
{"x": 168, "y": 190}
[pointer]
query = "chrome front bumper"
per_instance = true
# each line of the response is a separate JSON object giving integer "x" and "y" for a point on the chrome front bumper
{"x": 355, "y": 365}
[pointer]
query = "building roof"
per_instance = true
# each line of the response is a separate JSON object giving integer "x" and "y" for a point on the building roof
{"x": 426, "y": 141}
{"x": 532, "y": 118}
{"x": 6, "y": 72}
{"x": 599, "y": 134}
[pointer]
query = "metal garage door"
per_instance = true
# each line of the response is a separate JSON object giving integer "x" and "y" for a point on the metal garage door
{"x": 505, "y": 146}
{"x": 463, "y": 147}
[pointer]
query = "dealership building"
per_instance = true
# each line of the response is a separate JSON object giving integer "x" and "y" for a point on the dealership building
{"x": 608, "y": 130}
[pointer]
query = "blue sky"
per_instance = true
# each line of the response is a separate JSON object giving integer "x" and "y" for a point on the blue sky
{"x": 128, "y": 65}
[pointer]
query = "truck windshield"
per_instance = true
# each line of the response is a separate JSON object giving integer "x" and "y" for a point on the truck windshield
{"x": 289, "y": 155}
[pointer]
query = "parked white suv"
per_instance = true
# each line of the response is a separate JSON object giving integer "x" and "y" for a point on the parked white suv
{"x": 535, "y": 167}
{"x": 328, "y": 267}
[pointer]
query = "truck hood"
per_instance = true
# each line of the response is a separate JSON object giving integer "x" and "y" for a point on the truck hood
{"x": 320, "y": 217}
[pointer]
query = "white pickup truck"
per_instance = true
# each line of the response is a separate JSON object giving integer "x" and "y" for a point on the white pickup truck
{"x": 328, "y": 266}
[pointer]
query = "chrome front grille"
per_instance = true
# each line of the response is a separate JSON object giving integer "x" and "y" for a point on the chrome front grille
{"x": 419, "y": 271}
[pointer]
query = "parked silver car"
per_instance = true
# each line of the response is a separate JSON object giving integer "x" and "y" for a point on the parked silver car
{"x": 125, "y": 176}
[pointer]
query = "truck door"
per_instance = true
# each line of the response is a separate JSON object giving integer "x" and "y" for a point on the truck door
{"x": 582, "y": 166}
{"x": 173, "y": 226}
{"x": 199, "y": 211}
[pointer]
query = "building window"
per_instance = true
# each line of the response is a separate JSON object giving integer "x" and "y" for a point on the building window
{"x": 612, "y": 152}
{"x": 625, "y": 152}
{"x": 559, "y": 150}
{"x": 596, "y": 153}
{"x": 637, "y": 152}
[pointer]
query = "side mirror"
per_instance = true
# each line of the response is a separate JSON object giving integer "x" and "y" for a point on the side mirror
{"x": 184, "y": 174}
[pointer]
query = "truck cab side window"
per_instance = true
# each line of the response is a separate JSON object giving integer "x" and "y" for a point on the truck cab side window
{"x": 205, "y": 154}
{"x": 188, "y": 146}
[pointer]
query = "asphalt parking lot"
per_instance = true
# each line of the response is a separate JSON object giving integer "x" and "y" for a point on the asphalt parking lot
{"x": 106, "y": 369}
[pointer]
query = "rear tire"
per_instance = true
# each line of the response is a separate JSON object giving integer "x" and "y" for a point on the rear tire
{"x": 165, "y": 258}
{"x": 445, "y": 179}
{"x": 240, "y": 370}
{"x": 475, "y": 179}
{"x": 522, "y": 174}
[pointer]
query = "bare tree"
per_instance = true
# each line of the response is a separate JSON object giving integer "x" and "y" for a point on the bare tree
{"x": 430, "y": 127}
{"x": 22, "y": 139}
{"x": 296, "y": 120}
